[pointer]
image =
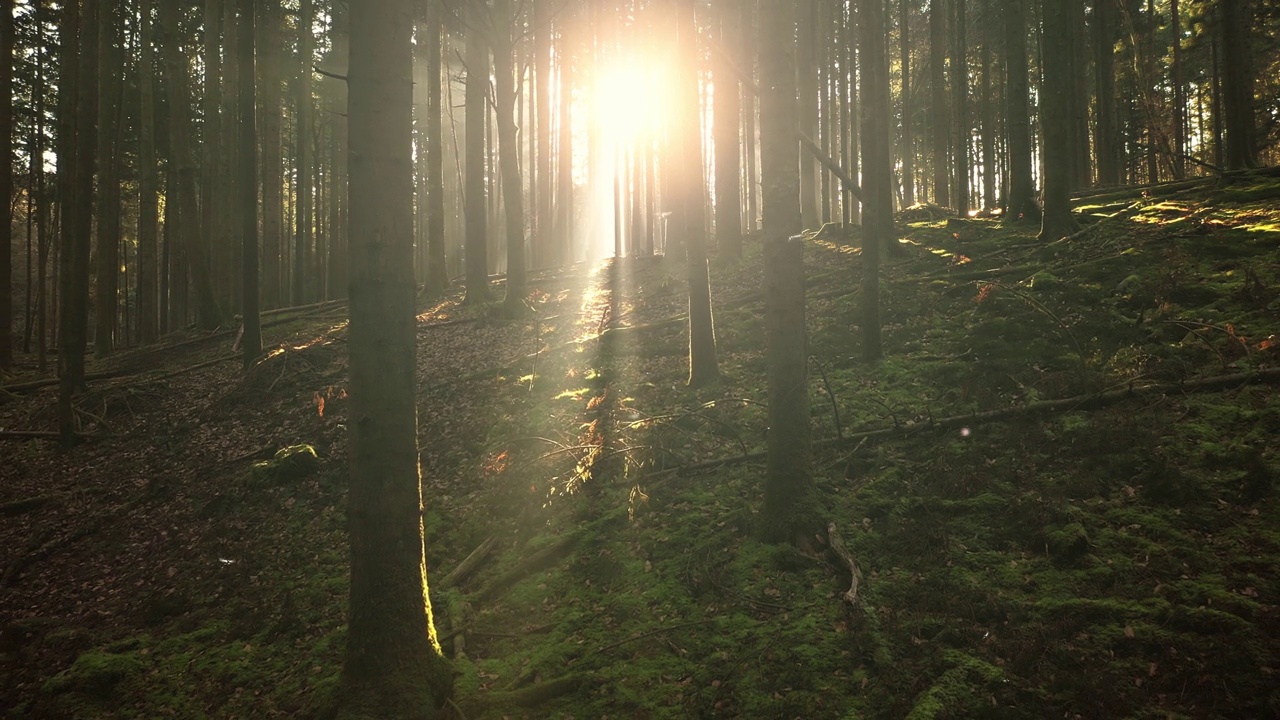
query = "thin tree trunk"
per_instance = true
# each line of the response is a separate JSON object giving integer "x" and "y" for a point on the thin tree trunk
{"x": 877, "y": 171}
{"x": 509, "y": 157}
{"x": 989, "y": 171}
{"x": 703, "y": 364}
{"x": 564, "y": 174}
{"x": 437, "y": 276}
{"x": 79, "y": 131}
{"x": 269, "y": 55}
{"x": 1238, "y": 86}
{"x": 6, "y": 185}
{"x": 248, "y": 185}
{"x": 477, "y": 252}
{"x": 110, "y": 83}
{"x": 938, "y": 103}
{"x": 908, "y": 142}
{"x": 960, "y": 105}
{"x": 807, "y": 88}
{"x": 726, "y": 112}
{"x": 1106, "y": 150}
{"x": 1021, "y": 203}
{"x": 148, "y": 183}
{"x": 302, "y": 218}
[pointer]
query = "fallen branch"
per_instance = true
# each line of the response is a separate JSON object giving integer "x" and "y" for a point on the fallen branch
{"x": 29, "y": 435}
{"x": 539, "y": 560}
{"x": 18, "y": 507}
{"x": 1079, "y": 402}
{"x": 536, "y": 695}
{"x": 855, "y": 573}
{"x": 469, "y": 564}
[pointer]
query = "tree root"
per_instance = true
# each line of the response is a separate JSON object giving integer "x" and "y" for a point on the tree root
{"x": 837, "y": 546}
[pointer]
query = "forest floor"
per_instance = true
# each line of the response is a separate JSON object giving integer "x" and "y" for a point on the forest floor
{"x": 1059, "y": 486}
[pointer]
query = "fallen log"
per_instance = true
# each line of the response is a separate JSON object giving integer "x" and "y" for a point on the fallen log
{"x": 472, "y": 561}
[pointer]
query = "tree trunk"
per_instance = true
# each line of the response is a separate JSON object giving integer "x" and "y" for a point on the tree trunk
{"x": 989, "y": 171}
{"x": 726, "y": 111}
{"x": 807, "y": 88}
{"x": 437, "y": 276}
{"x": 148, "y": 185}
{"x": 1106, "y": 150}
{"x": 248, "y": 185}
{"x": 908, "y": 142}
{"x": 393, "y": 666}
{"x": 564, "y": 173}
{"x": 543, "y": 253}
{"x": 1238, "y": 86}
{"x": 6, "y": 184}
{"x": 877, "y": 170}
{"x": 703, "y": 364}
{"x": 1021, "y": 203}
{"x": 79, "y": 130}
{"x": 509, "y": 157}
{"x": 938, "y": 102}
{"x": 1057, "y": 220}
{"x": 788, "y": 483}
{"x": 215, "y": 204}
{"x": 302, "y": 218}
{"x": 960, "y": 105}
{"x": 477, "y": 252}
{"x": 1179, "y": 95}
{"x": 269, "y": 55}
{"x": 110, "y": 84}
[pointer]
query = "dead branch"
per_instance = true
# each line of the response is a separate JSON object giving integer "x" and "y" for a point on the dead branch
{"x": 18, "y": 507}
{"x": 539, "y": 560}
{"x": 855, "y": 573}
{"x": 464, "y": 568}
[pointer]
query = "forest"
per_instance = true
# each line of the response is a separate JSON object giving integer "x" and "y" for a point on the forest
{"x": 465, "y": 359}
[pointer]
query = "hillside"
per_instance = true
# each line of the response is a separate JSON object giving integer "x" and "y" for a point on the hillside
{"x": 1058, "y": 490}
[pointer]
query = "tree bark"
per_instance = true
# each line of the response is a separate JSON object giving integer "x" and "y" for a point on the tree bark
{"x": 509, "y": 157}
{"x": 6, "y": 184}
{"x": 110, "y": 84}
{"x": 1238, "y": 86}
{"x": 272, "y": 172}
{"x": 877, "y": 171}
{"x": 393, "y": 666}
{"x": 1057, "y": 220}
{"x": 148, "y": 184}
{"x": 960, "y": 105}
{"x": 437, "y": 277}
{"x": 789, "y": 481}
{"x": 302, "y": 218}
{"x": 908, "y": 142}
{"x": 79, "y": 129}
{"x": 807, "y": 89}
{"x": 248, "y": 185}
{"x": 1106, "y": 146}
{"x": 726, "y": 111}
{"x": 703, "y": 364}
{"x": 938, "y": 102}
{"x": 477, "y": 253}
{"x": 1021, "y": 203}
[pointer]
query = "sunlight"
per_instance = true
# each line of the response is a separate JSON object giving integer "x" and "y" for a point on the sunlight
{"x": 627, "y": 105}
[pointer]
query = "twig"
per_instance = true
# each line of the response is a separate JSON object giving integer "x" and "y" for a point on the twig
{"x": 855, "y": 573}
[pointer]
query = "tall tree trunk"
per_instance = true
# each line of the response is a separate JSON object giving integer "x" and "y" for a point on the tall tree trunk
{"x": 543, "y": 253}
{"x": 877, "y": 170}
{"x": 1106, "y": 150}
{"x": 270, "y": 56}
{"x": 789, "y": 481}
{"x": 437, "y": 277}
{"x": 214, "y": 201}
{"x": 691, "y": 202}
{"x": 726, "y": 111}
{"x": 228, "y": 253}
{"x": 477, "y": 251}
{"x": 1055, "y": 91}
{"x": 6, "y": 184}
{"x": 960, "y": 104}
{"x": 807, "y": 87}
{"x": 110, "y": 84}
{"x": 564, "y": 173}
{"x": 79, "y": 129}
{"x": 393, "y": 665}
{"x": 1021, "y": 202}
{"x": 908, "y": 142}
{"x": 302, "y": 218}
{"x": 1238, "y": 86}
{"x": 1179, "y": 94}
{"x": 509, "y": 156}
{"x": 748, "y": 102}
{"x": 248, "y": 185}
{"x": 938, "y": 116}
{"x": 989, "y": 171}
{"x": 148, "y": 184}
{"x": 187, "y": 234}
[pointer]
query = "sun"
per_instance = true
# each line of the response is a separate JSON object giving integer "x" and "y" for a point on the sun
{"x": 628, "y": 97}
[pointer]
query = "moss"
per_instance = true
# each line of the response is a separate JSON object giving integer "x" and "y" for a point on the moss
{"x": 288, "y": 466}
{"x": 96, "y": 674}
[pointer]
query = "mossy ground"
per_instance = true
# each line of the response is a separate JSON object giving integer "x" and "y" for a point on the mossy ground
{"x": 1112, "y": 561}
